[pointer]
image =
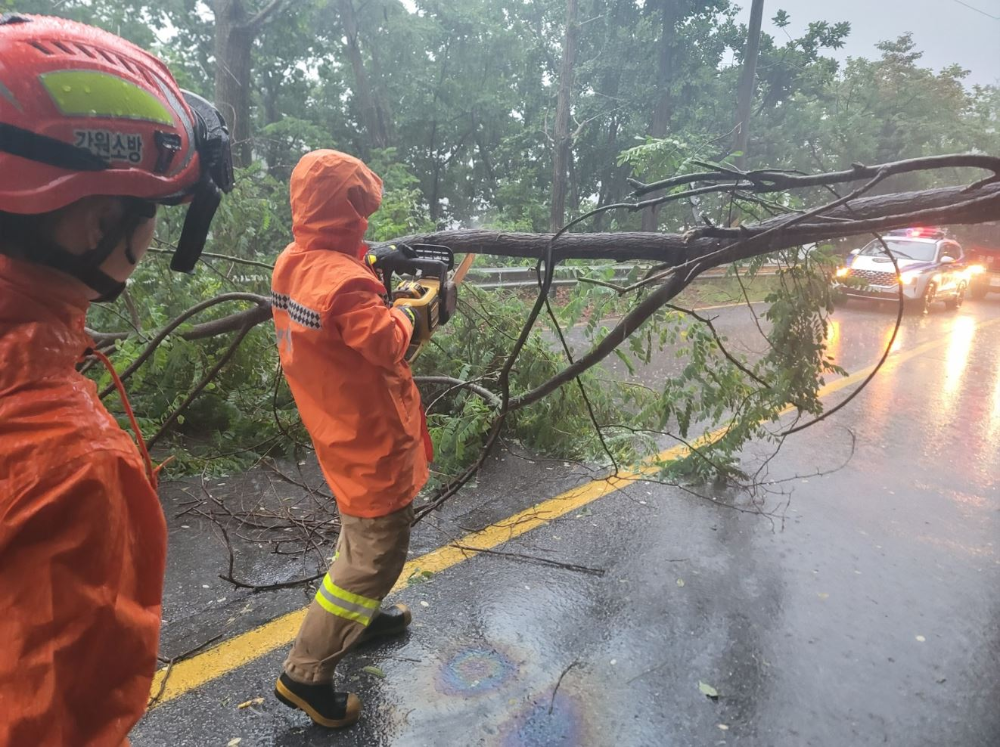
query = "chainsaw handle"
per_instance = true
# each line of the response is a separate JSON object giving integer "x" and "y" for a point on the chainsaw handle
{"x": 429, "y": 260}
{"x": 436, "y": 252}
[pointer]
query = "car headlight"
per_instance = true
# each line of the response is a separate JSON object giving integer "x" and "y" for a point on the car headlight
{"x": 909, "y": 278}
{"x": 843, "y": 272}
{"x": 976, "y": 269}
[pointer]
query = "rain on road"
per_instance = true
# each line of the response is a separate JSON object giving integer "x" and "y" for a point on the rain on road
{"x": 869, "y": 616}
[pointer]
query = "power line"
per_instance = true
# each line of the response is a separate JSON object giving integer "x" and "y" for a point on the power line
{"x": 971, "y": 7}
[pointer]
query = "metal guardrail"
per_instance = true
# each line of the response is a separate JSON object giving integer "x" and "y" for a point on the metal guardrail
{"x": 494, "y": 278}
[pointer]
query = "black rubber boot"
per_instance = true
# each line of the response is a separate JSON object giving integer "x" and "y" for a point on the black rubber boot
{"x": 320, "y": 702}
{"x": 391, "y": 621}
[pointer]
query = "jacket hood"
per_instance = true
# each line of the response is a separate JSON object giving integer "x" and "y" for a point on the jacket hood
{"x": 332, "y": 195}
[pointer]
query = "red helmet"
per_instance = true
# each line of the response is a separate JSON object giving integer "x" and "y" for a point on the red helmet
{"x": 84, "y": 112}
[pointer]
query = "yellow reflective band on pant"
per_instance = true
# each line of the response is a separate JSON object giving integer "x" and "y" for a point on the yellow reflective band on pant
{"x": 349, "y": 596}
{"x": 335, "y": 609}
{"x": 345, "y": 604}
{"x": 87, "y": 93}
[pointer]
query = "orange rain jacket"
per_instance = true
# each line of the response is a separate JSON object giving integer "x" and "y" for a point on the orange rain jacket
{"x": 342, "y": 348}
{"x": 82, "y": 534}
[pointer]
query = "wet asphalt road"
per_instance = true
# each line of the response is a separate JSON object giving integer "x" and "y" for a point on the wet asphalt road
{"x": 864, "y": 611}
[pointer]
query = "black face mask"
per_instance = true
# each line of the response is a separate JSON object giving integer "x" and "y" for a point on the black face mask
{"x": 112, "y": 294}
{"x": 86, "y": 267}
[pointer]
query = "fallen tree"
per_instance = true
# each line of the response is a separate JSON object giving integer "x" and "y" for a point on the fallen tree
{"x": 711, "y": 246}
{"x": 679, "y": 259}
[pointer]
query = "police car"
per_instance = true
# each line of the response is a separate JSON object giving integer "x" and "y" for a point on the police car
{"x": 931, "y": 268}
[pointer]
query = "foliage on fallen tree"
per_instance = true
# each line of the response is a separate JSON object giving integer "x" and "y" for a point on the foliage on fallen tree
{"x": 504, "y": 369}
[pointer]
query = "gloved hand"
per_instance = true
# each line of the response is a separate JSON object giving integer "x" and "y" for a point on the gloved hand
{"x": 409, "y": 313}
{"x": 384, "y": 255}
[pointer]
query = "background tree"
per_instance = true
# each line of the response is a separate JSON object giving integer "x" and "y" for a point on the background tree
{"x": 748, "y": 83}
{"x": 373, "y": 111}
{"x": 451, "y": 101}
{"x": 237, "y": 27}
{"x": 562, "y": 139}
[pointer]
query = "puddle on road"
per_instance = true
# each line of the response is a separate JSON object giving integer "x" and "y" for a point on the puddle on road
{"x": 475, "y": 671}
{"x": 537, "y": 727}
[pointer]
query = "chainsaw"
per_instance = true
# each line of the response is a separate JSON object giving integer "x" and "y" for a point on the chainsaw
{"x": 428, "y": 290}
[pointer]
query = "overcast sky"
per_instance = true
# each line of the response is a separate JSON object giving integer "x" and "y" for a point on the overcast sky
{"x": 947, "y": 31}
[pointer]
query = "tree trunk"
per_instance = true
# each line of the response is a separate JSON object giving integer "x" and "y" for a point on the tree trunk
{"x": 612, "y": 174}
{"x": 664, "y": 77}
{"x": 433, "y": 200}
{"x": 382, "y": 108}
{"x": 574, "y": 184}
{"x": 233, "y": 48}
{"x": 484, "y": 155}
{"x": 373, "y": 118}
{"x": 944, "y": 206}
{"x": 748, "y": 81}
{"x": 432, "y": 147}
{"x": 272, "y": 115}
{"x": 563, "y": 140}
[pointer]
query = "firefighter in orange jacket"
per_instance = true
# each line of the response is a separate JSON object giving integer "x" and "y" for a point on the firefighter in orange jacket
{"x": 94, "y": 132}
{"x": 342, "y": 350}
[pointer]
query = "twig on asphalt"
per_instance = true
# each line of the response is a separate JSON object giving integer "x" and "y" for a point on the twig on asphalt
{"x": 163, "y": 685}
{"x": 648, "y": 671}
{"x": 192, "y": 651}
{"x": 258, "y": 587}
{"x": 273, "y": 466}
{"x": 271, "y": 587}
{"x": 170, "y": 666}
{"x": 534, "y": 559}
{"x": 552, "y": 703}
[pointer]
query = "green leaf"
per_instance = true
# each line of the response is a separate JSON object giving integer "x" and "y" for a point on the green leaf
{"x": 708, "y": 691}
{"x": 374, "y": 672}
{"x": 626, "y": 360}
{"x": 418, "y": 577}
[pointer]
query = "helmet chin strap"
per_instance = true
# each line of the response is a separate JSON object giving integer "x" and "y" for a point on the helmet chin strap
{"x": 82, "y": 267}
{"x": 86, "y": 267}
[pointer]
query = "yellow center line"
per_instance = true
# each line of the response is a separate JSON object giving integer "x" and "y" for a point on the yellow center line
{"x": 244, "y": 648}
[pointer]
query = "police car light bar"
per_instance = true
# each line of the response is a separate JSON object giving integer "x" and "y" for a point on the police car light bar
{"x": 922, "y": 232}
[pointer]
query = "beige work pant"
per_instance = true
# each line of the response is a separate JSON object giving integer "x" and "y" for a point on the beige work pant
{"x": 369, "y": 558}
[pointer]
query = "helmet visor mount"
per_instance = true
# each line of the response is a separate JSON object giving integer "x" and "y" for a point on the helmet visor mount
{"x": 215, "y": 153}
